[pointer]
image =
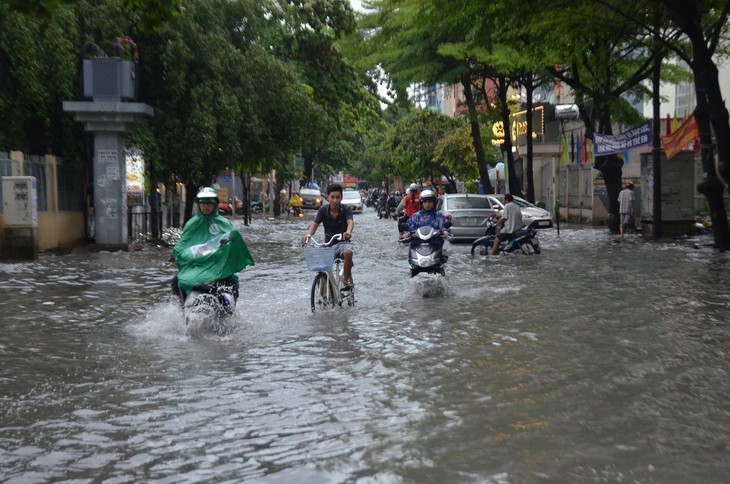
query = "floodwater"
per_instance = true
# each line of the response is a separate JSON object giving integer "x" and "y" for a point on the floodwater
{"x": 595, "y": 361}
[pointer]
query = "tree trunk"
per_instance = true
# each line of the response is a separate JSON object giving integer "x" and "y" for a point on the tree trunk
{"x": 278, "y": 202}
{"x": 476, "y": 135}
{"x": 711, "y": 187}
{"x": 246, "y": 197}
{"x": 191, "y": 190}
{"x": 710, "y": 112}
{"x": 308, "y": 169}
{"x": 610, "y": 167}
{"x": 656, "y": 144}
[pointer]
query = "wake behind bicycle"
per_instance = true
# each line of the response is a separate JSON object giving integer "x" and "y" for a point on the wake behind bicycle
{"x": 328, "y": 288}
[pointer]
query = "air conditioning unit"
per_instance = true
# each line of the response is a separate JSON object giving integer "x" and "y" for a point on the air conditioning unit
{"x": 109, "y": 79}
{"x": 566, "y": 111}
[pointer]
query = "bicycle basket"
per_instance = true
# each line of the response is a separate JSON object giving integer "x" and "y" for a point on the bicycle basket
{"x": 319, "y": 258}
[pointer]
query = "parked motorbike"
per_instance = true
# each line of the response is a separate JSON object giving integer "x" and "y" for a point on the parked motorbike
{"x": 225, "y": 208}
{"x": 257, "y": 207}
{"x": 425, "y": 249}
{"x": 525, "y": 240}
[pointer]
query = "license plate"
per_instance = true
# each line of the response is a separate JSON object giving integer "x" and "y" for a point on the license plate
{"x": 543, "y": 223}
{"x": 469, "y": 221}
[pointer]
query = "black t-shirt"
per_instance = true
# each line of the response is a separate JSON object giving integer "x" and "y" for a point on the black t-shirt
{"x": 333, "y": 226}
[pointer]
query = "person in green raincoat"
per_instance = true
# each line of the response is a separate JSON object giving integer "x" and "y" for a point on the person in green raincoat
{"x": 209, "y": 249}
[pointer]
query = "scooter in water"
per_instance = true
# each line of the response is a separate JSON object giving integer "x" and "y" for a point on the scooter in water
{"x": 296, "y": 211}
{"x": 209, "y": 307}
{"x": 207, "y": 282}
{"x": 524, "y": 239}
{"x": 425, "y": 249}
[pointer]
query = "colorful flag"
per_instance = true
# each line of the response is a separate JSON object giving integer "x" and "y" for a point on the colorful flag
{"x": 675, "y": 123}
{"x": 582, "y": 148}
{"x": 564, "y": 153}
{"x": 572, "y": 148}
{"x": 590, "y": 157}
{"x": 668, "y": 129}
{"x": 626, "y": 157}
{"x": 676, "y": 142}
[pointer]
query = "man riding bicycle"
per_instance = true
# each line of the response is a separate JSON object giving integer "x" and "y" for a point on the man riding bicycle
{"x": 337, "y": 219}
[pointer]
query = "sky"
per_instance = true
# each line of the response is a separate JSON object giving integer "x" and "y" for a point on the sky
{"x": 356, "y": 5}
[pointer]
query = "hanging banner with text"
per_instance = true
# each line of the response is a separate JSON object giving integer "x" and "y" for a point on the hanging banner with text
{"x": 604, "y": 144}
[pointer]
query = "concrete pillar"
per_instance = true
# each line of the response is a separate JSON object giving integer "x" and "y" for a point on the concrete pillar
{"x": 110, "y": 122}
{"x": 17, "y": 163}
{"x": 51, "y": 183}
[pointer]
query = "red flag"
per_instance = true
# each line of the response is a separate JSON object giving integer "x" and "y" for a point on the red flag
{"x": 669, "y": 125}
{"x": 674, "y": 143}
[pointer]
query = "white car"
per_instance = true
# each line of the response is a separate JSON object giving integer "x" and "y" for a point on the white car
{"x": 532, "y": 215}
{"x": 352, "y": 199}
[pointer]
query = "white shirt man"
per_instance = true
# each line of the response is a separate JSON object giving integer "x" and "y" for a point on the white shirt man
{"x": 511, "y": 219}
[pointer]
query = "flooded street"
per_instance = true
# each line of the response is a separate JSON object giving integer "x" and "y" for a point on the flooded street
{"x": 595, "y": 361}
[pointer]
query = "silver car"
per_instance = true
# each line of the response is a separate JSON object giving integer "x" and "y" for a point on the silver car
{"x": 352, "y": 199}
{"x": 469, "y": 214}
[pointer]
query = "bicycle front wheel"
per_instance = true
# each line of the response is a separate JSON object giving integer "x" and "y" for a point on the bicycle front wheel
{"x": 321, "y": 293}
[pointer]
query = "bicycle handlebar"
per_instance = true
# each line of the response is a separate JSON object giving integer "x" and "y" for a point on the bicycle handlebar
{"x": 333, "y": 239}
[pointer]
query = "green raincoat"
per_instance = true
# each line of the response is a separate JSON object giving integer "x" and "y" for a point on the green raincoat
{"x": 209, "y": 250}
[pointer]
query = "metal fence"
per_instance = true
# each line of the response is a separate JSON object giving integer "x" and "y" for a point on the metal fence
{"x": 36, "y": 166}
{"x": 69, "y": 188}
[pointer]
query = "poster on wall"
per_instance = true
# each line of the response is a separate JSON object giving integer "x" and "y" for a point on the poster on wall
{"x": 135, "y": 176}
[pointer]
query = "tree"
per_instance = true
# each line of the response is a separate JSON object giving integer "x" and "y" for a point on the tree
{"x": 414, "y": 143}
{"x": 37, "y": 72}
{"x": 150, "y": 13}
{"x": 308, "y": 40}
{"x": 406, "y": 38}
{"x": 601, "y": 65}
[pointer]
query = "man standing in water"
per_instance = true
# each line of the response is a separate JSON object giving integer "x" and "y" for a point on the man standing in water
{"x": 337, "y": 219}
{"x": 626, "y": 207}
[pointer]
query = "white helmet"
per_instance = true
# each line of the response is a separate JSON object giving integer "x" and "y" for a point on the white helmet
{"x": 428, "y": 193}
{"x": 207, "y": 195}
{"x": 413, "y": 187}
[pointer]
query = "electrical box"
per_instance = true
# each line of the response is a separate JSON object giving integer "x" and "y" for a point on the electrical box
{"x": 108, "y": 79}
{"x": 20, "y": 201}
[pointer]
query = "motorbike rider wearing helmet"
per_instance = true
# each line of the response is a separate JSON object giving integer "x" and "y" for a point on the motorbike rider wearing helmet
{"x": 411, "y": 202}
{"x": 204, "y": 226}
{"x": 511, "y": 219}
{"x": 427, "y": 215}
{"x": 337, "y": 219}
{"x": 295, "y": 203}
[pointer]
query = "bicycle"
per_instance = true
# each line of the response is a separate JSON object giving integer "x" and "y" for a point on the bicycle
{"x": 328, "y": 288}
